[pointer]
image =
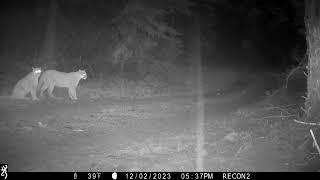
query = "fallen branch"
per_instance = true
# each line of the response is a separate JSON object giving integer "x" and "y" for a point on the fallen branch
{"x": 315, "y": 141}
{"x": 283, "y": 108}
{"x": 308, "y": 123}
{"x": 269, "y": 105}
{"x": 274, "y": 117}
{"x": 275, "y": 108}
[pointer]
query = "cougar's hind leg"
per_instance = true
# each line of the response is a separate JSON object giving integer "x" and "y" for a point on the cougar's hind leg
{"x": 72, "y": 94}
{"x": 18, "y": 94}
{"x": 50, "y": 91}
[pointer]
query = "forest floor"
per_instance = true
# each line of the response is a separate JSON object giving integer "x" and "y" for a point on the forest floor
{"x": 247, "y": 128}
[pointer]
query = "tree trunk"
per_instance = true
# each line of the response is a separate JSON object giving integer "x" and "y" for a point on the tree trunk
{"x": 312, "y": 24}
{"x": 50, "y": 35}
{"x": 200, "y": 151}
{"x": 122, "y": 79}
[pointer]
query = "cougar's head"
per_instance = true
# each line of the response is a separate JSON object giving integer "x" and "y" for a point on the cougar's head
{"x": 36, "y": 70}
{"x": 83, "y": 74}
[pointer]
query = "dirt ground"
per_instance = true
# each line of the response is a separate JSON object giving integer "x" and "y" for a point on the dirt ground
{"x": 149, "y": 134}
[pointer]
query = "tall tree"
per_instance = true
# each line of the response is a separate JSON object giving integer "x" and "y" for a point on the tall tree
{"x": 141, "y": 26}
{"x": 48, "y": 51}
{"x": 200, "y": 151}
{"x": 312, "y": 24}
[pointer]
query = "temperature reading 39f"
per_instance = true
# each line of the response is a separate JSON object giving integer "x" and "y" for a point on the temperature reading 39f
{"x": 94, "y": 176}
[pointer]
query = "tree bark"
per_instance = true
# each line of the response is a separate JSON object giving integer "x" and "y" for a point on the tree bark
{"x": 312, "y": 24}
{"x": 200, "y": 151}
{"x": 50, "y": 35}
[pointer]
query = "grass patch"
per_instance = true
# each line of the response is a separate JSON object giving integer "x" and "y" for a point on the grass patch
{"x": 271, "y": 123}
{"x": 165, "y": 152}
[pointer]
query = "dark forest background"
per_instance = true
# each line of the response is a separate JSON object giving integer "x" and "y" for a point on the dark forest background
{"x": 137, "y": 38}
